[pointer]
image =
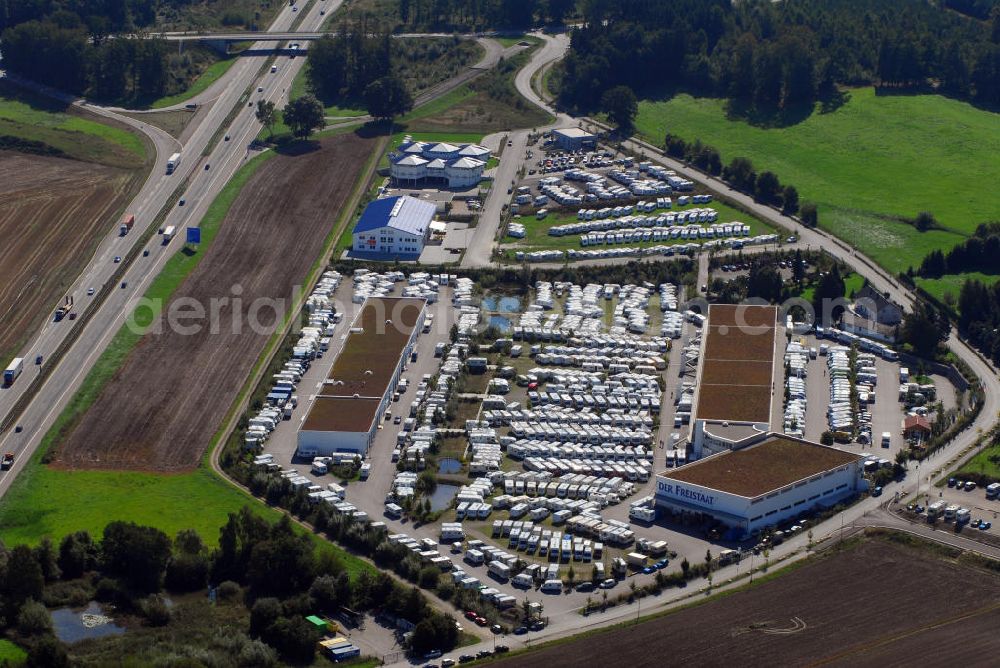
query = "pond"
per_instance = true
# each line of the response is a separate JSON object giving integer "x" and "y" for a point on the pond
{"x": 449, "y": 465}
{"x": 502, "y": 323}
{"x": 442, "y": 496}
{"x": 501, "y": 304}
{"x": 83, "y": 623}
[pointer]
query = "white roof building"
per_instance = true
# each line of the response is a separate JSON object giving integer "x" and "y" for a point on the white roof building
{"x": 421, "y": 163}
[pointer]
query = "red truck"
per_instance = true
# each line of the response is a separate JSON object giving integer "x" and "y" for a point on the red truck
{"x": 8, "y": 461}
{"x": 127, "y": 222}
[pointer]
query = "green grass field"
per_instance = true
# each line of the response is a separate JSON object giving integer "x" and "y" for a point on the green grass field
{"x": 952, "y": 283}
{"x": 35, "y": 118}
{"x": 986, "y": 463}
{"x": 537, "y": 231}
{"x": 11, "y": 652}
{"x": 867, "y": 164}
{"x": 206, "y": 79}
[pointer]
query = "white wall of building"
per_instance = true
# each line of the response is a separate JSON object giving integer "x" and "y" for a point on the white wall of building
{"x": 824, "y": 489}
{"x": 388, "y": 240}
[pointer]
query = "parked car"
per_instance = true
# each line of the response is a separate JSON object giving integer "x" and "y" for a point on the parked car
{"x": 465, "y": 658}
{"x": 520, "y": 630}
{"x": 585, "y": 586}
{"x": 951, "y": 482}
{"x": 608, "y": 584}
{"x": 502, "y": 649}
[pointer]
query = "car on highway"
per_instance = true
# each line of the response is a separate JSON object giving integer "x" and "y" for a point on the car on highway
{"x": 72, "y": 316}
{"x": 124, "y": 284}
{"x": 145, "y": 253}
{"x": 17, "y": 429}
{"x": 274, "y": 68}
{"x": 206, "y": 166}
{"x": 90, "y": 292}
{"x": 322, "y": 12}
{"x": 38, "y": 360}
{"x": 118, "y": 258}
{"x": 226, "y": 137}
{"x": 181, "y": 202}
{"x": 8, "y": 461}
{"x": 260, "y": 89}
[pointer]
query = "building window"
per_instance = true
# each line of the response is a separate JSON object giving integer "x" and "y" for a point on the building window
{"x": 769, "y": 513}
{"x": 786, "y": 508}
{"x": 754, "y": 519}
{"x": 844, "y": 486}
{"x": 829, "y": 491}
{"x": 799, "y": 503}
{"x": 814, "y": 497}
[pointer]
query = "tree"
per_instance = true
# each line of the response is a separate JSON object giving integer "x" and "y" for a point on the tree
{"x": 266, "y": 115}
{"x": 740, "y": 173}
{"x": 136, "y": 554}
{"x": 387, "y": 98}
{"x": 263, "y": 614}
{"x": 764, "y": 282}
{"x": 923, "y": 328}
{"x": 33, "y": 619}
{"x": 47, "y": 652}
{"x": 303, "y": 116}
{"x": 77, "y": 554}
{"x": 826, "y": 438}
{"x": 23, "y": 579}
{"x": 621, "y": 107}
{"x": 789, "y": 200}
{"x": 48, "y": 560}
{"x": 294, "y": 638}
{"x": 798, "y": 268}
{"x": 828, "y": 297}
{"x": 809, "y": 214}
{"x": 767, "y": 187}
{"x": 924, "y": 221}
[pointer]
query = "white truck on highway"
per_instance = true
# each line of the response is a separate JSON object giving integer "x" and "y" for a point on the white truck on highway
{"x": 172, "y": 162}
{"x": 168, "y": 234}
{"x": 12, "y": 371}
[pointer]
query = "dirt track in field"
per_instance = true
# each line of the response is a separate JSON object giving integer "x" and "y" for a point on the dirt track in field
{"x": 160, "y": 410}
{"x": 877, "y": 604}
{"x": 52, "y": 213}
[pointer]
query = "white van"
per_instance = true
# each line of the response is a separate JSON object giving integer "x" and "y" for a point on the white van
{"x": 552, "y": 586}
{"x": 522, "y": 580}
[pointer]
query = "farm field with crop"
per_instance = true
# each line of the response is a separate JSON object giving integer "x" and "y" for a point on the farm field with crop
{"x": 160, "y": 409}
{"x": 869, "y": 164}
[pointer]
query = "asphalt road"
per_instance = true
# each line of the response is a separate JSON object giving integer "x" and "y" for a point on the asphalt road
{"x": 205, "y": 184}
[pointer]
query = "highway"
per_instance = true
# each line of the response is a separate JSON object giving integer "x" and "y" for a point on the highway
{"x": 204, "y": 185}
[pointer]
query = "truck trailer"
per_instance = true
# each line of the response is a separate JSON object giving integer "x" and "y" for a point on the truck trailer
{"x": 12, "y": 371}
{"x": 127, "y": 222}
{"x": 172, "y": 162}
{"x": 168, "y": 234}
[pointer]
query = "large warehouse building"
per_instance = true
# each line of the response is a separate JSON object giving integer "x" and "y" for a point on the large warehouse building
{"x": 762, "y": 483}
{"x": 345, "y": 414}
{"x": 736, "y": 388}
{"x": 395, "y": 227}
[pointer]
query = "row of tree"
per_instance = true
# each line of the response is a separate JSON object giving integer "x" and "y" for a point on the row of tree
{"x": 979, "y": 316}
{"x": 777, "y": 55}
{"x": 741, "y": 174}
{"x": 63, "y": 55}
{"x": 980, "y": 253}
{"x": 478, "y": 14}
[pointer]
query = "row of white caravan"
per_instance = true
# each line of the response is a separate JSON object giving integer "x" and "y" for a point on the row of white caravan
{"x": 567, "y": 492}
{"x": 865, "y": 345}
{"x": 636, "y": 471}
{"x": 797, "y": 358}
{"x": 562, "y": 450}
{"x": 671, "y": 250}
{"x": 553, "y": 545}
{"x": 620, "y": 400}
{"x": 669, "y": 176}
{"x": 631, "y": 314}
{"x": 558, "y": 417}
{"x": 591, "y": 524}
{"x": 595, "y": 434}
{"x": 646, "y": 234}
{"x": 621, "y": 217}
{"x": 424, "y": 549}
{"x": 668, "y": 297}
{"x": 322, "y": 296}
{"x": 840, "y": 416}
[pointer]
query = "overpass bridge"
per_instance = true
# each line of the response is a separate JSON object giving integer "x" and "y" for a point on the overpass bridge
{"x": 265, "y": 36}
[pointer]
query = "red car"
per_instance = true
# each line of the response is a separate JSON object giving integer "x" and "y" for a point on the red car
{"x": 470, "y": 615}
{"x": 482, "y": 621}
{"x": 8, "y": 461}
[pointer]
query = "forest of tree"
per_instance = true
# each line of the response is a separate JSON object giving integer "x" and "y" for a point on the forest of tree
{"x": 776, "y": 55}
{"x": 979, "y": 317}
{"x": 463, "y": 15}
{"x": 67, "y": 45}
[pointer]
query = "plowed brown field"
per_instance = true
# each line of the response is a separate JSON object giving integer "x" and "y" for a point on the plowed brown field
{"x": 53, "y": 211}
{"x": 879, "y": 604}
{"x": 162, "y": 407}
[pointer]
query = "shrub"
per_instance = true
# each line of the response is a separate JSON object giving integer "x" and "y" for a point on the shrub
{"x": 33, "y": 619}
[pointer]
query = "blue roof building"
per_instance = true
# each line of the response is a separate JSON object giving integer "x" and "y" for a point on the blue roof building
{"x": 393, "y": 228}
